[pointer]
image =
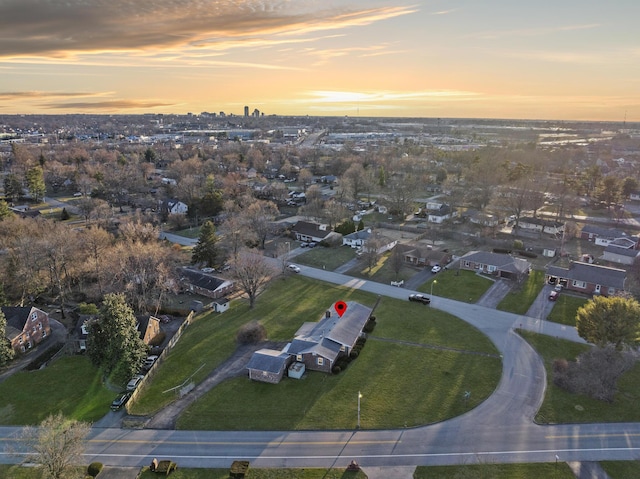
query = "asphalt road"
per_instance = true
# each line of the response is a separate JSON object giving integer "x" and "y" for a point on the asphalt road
{"x": 498, "y": 430}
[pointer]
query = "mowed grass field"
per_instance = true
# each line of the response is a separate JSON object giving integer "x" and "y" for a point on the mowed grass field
{"x": 71, "y": 385}
{"x": 461, "y": 285}
{"x": 405, "y": 376}
{"x": 520, "y": 300}
{"x": 561, "y": 406}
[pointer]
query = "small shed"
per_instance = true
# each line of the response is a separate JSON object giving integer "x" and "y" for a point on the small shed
{"x": 220, "y": 305}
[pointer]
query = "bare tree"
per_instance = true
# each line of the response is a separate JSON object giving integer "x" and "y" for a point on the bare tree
{"x": 235, "y": 234}
{"x": 58, "y": 446}
{"x": 259, "y": 217}
{"x": 252, "y": 272}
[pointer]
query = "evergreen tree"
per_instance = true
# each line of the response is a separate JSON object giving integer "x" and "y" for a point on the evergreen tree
{"x": 206, "y": 250}
{"x": 35, "y": 182}
{"x": 6, "y": 351}
{"x": 5, "y": 212}
{"x": 113, "y": 343}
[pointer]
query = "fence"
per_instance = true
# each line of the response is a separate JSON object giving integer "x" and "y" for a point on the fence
{"x": 172, "y": 342}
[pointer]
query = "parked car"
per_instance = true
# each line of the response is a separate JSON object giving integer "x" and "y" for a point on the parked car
{"x": 553, "y": 295}
{"x": 420, "y": 298}
{"x": 304, "y": 245}
{"x": 294, "y": 268}
{"x": 436, "y": 268}
{"x": 120, "y": 401}
{"x": 558, "y": 287}
{"x": 313, "y": 244}
{"x": 134, "y": 382}
{"x": 150, "y": 361}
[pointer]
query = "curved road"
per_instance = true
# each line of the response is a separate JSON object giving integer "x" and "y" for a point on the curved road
{"x": 498, "y": 430}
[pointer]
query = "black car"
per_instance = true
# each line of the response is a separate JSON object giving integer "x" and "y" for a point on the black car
{"x": 120, "y": 401}
{"x": 420, "y": 298}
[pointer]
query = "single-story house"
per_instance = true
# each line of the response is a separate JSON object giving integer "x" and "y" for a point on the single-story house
{"x": 634, "y": 196}
{"x": 317, "y": 345}
{"x": 205, "y": 284}
{"x": 479, "y": 218}
{"x": 617, "y": 254}
{"x": 605, "y": 236}
{"x": 26, "y": 326}
{"x": 497, "y": 264}
{"x": 268, "y": 365}
{"x": 307, "y": 231}
{"x": 422, "y": 255}
{"x": 541, "y": 225}
{"x": 587, "y": 278}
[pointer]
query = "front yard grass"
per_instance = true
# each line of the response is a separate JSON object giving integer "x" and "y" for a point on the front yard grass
{"x": 621, "y": 469}
{"x": 257, "y": 473}
{"x": 71, "y": 385}
{"x": 520, "y": 300}
{"x": 212, "y": 337}
{"x": 401, "y": 385}
{"x": 565, "y": 309}
{"x": 560, "y": 406}
{"x": 461, "y": 285}
{"x": 328, "y": 258}
{"x": 496, "y": 471}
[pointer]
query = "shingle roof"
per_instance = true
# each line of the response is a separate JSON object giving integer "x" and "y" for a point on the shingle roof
{"x": 591, "y": 273}
{"x": 268, "y": 360}
{"x": 202, "y": 280}
{"x": 503, "y": 262}
{"x": 631, "y": 253}
{"x": 310, "y": 229}
{"x": 604, "y": 232}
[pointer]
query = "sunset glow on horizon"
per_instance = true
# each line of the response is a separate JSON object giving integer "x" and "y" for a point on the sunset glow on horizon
{"x": 568, "y": 60}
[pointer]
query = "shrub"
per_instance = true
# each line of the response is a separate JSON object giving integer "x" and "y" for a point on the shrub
{"x": 527, "y": 254}
{"x": 87, "y": 308}
{"x": 502, "y": 250}
{"x": 158, "y": 339}
{"x": 251, "y": 333}
{"x": 336, "y": 370}
{"x": 518, "y": 244}
{"x": 354, "y": 354}
{"x": 94, "y": 469}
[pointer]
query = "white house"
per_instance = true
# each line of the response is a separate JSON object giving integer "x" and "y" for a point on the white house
{"x": 357, "y": 238}
{"x": 175, "y": 207}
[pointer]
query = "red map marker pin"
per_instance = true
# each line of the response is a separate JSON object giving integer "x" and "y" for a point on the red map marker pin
{"x": 340, "y": 307}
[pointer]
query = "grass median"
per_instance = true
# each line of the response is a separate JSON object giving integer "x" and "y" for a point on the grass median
{"x": 561, "y": 406}
{"x": 461, "y": 285}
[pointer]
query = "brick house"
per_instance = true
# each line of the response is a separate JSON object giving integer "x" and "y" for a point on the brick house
{"x": 496, "y": 264}
{"x": 26, "y": 327}
{"x": 422, "y": 255}
{"x": 587, "y": 278}
{"x": 606, "y": 236}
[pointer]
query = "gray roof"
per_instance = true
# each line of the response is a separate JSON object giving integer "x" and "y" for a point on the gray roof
{"x": 310, "y": 229}
{"x": 268, "y": 360}
{"x": 591, "y": 273}
{"x": 631, "y": 253}
{"x": 604, "y": 232}
{"x": 343, "y": 330}
{"x": 362, "y": 234}
{"x": 503, "y": 262}
{"x": 203, "y": 280}
{"x": 540, "y": 221}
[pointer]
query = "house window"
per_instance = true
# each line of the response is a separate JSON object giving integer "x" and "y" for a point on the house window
{"x": 44, "y": 334}
{"x": 597, "y": 289}
{"x": 21, "y": 340}
{"x": 34, "y": 316}
{"x": 320, "y": 361}
{"x": 298, "y": 357}
{"x": 22, "y": 348}
{"x": 343, "y": 348}
{"x": 40, "y": 326}
{"x": 33, "y": 330}
{"x": 467, "y": 264}
{"x": 29, "y": 345}
{"x": 579, "y": 284}
{"x": 491, "y": 269}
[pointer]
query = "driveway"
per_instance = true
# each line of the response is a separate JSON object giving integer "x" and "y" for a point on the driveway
{"x": 541, "y": 307}
{"x": 496, "y": 293}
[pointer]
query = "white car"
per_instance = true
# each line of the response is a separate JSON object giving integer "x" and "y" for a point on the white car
{"x": 294, "y": 268}
{"x": 436, "y": 268}
{"x": 135, "y": 381}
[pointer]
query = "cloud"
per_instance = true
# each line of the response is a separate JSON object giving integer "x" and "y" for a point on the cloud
{"x": 110, "y": 105}
{"x": 26, "y": 95}
{"x": 53, "y": 29}
{"x": 328, "y": 96}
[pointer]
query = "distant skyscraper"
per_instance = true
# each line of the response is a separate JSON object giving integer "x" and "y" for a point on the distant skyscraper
{"x": 246, "y": 111}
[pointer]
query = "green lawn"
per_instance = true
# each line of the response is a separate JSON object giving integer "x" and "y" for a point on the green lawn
{"x": 565, "y": 309}
{"x": 496, "y": 471}
{"x": 560, "y": 406}
{"x": 71, "y": 385}
{"x": 382, "y": 272}
{"x": 211, "y": 338}
{"x": 461, "y": 285}
{"x": 520, "y": 301}
{"x": 621, "y": 469}
{"x": 282, "y": 309}
{"x": 309, "y": 473}
{"x": 329, "y": 257}
{"x": 384, "y": 373}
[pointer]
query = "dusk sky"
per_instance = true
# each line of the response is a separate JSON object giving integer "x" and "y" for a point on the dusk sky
{"x": 561, "y": 59}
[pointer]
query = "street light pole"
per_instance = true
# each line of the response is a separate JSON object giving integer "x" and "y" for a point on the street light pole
{"x": 432, "y": 283}
{"x": 359, "y": 396}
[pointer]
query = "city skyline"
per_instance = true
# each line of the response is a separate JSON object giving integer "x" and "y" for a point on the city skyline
{"x": 564, "y": 60}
